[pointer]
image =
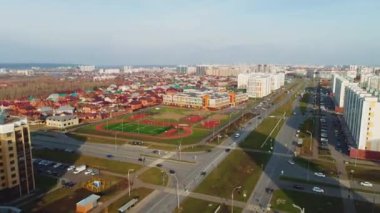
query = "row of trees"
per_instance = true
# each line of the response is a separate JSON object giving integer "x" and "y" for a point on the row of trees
{"x": 42, "y": 86}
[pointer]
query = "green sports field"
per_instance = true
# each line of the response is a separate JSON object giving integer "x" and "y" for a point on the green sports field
{"x": 138, "y": 128}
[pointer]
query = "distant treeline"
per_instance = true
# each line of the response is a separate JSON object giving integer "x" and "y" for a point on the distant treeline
{"x": 42, "y": 86}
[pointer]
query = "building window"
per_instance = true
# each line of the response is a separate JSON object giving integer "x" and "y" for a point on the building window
{"x": 11, "y": 155}
{"x": 9, "y": 134}
{"x": 13, "y": 175}
{"x": 14, "y": 182}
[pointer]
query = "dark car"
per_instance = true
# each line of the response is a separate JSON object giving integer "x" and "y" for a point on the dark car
{"x": 299, "y": 187}
{"x": 159, "y": 165}
{"x": 227, "y": 150}
{"x": 109, "y": 156}
{"x": 203, "y": 173}
{"x": 171, "y": 171}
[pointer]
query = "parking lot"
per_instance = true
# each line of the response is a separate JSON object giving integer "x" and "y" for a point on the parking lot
{"x": 64, "y": 172}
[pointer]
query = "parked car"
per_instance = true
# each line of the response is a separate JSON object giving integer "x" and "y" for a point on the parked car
{"x": 70, "y": 168}
{"x": 366, "y": 183}
{"x": 299, "y": 187}
{"x": 319, "y": 174}
{"x": 291, "y": 162}
{"x": 318, "y": 189}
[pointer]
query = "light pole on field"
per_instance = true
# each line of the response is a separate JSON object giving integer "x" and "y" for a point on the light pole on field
{"x": 129, "y": 182}
{"x": 175, "y": 176}
{"x": 232, "y": 198}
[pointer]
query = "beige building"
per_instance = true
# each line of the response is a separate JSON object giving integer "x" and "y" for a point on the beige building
{"x": 16, "y": 166}
{"x": 62, "y": 122}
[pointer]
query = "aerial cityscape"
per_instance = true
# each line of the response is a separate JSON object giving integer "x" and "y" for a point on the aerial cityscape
{"x": 189, "y": 106}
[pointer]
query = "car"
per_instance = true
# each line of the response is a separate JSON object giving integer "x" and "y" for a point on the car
{"x": 299, "y": 187}
{"x": 319, "y": 174}
{"x": 318, "y": 189}
{"x": 159, "y": 165}
{"x": 291, "y": 162}
{"x": 88, "y": 171}
{"x": 237, "y": 135}
{"x": 171, "y": 171}
{"x": 203, "y": 173}
{"x": 366, "y": 183}
{"x": 227, "y": 150}
{"x": 109, "y": 156}
{"x": 70, "y": 168}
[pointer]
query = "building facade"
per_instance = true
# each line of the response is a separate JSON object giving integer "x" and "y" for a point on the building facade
{"x": 259, "y": 86}
{"x": 16, "y": 166}
{"x": 62, "y": 122}
{"x": 362, "y": 115}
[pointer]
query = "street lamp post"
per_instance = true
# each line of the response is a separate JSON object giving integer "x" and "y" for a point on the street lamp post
{"x": 232, "y": 198}
{"x": 311, "y": 145}
{"x": 311, "y": 139}
{"x": 175, "y": 176}
{"x": 129, "y": 182}
{"x": 302, "y": 210}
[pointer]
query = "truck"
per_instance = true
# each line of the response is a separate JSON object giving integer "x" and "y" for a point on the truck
{"x": 79, "y": 169}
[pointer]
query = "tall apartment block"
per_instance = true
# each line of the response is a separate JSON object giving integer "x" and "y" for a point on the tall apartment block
{"x": 362, "y": 115}
{"x": 16, "y": 166}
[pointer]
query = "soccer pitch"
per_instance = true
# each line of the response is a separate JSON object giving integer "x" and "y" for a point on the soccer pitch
{"x": 138, "y": 128}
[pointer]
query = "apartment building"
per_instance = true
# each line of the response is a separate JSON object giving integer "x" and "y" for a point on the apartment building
{"x": 259, "y": 86}
{"x": 339, "y": 87}
{"x": 362, "y": 115}
{"x": 16, "y": 167}
{"x": 62, "y": 122}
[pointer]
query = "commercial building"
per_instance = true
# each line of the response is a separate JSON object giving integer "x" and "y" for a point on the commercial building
{"x": 362, "y": 115}
{"x": 62, "y": 122}
{"x": 16, "y": 167}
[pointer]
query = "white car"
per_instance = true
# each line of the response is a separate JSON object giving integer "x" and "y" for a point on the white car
{"x": 319, "y": 174}
{"x": 70, "y": 168}
{"x": 237, "y": 135}
{"x": 317, "y": 189}
{"x": 88, "y": 172}
{"x": 366, "y": 183}
{"x": 291, "y": 162}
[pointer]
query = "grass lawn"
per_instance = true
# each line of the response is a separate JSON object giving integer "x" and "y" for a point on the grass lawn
{"x": 191, "y": 205}
{"x": 365, "y": 206}
{"x": 139, "y": 193}
{"x": 155, "y": 176}
{"x": 45, "y": 183}
{"x": 238, "y": 169}
{"x": 258, "y": 136}
{"x": 364, "y": 174}
{"x": 138, "y": 128}
{"x": 75, "y": 158}
{"x": 283, "y": 200}
{"x": 317, "y": 166}
{"x": 303, "y": 103}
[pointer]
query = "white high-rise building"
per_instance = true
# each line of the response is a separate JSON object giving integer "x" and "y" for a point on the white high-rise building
{"x": 87, "y": 68}
{"x": 259, "y": 86}
{"x": 362, "y": 115}
{"x": 339, "y": 86}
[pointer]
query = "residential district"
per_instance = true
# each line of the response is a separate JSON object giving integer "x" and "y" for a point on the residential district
{"x": 190, "y": 138}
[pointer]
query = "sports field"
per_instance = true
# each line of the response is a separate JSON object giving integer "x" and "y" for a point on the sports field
{"x": 138, "y": 128}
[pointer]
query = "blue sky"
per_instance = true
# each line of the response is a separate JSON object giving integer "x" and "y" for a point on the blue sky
{"x": 190, "y": 31}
